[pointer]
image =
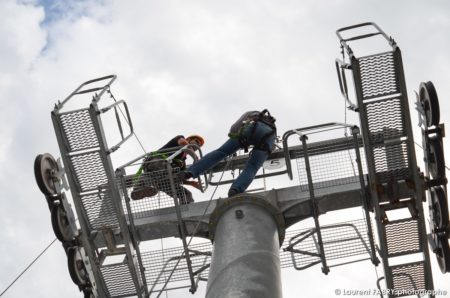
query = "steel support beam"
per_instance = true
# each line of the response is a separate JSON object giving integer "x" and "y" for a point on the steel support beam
{"x": 291, "y": 201}
{"x": 247, "y": 230}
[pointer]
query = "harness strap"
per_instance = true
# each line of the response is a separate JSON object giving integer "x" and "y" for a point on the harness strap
{"x": 262, "y": 145}
{"x": 149, "y": 157}
{"x": 244, "y": 141}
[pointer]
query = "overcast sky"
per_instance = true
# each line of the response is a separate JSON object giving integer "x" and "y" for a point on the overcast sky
{"x": 185, "y": 67}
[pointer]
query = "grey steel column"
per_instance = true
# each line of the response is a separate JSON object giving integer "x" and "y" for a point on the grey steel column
{"x": 247, "y": 231}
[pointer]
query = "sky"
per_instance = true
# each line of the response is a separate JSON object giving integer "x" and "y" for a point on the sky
{"x": 186, "y": 67}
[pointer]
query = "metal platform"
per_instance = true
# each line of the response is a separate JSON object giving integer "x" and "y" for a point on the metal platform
{"x": 115, "y": 229}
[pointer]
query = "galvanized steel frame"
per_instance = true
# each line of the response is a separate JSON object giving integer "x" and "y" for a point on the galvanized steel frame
{"x": 303, "y": 134}
{"x": 354, "y": 66}
{"x": 87, "y": 236}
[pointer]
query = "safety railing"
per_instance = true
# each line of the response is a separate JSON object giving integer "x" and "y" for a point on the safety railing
{"x": 328, "y": 169}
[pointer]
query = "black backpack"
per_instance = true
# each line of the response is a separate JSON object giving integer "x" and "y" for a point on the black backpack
{"x": 266, "y": 118}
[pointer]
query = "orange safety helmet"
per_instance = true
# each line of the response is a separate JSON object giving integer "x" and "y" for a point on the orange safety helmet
{"x": 196, "y": 138}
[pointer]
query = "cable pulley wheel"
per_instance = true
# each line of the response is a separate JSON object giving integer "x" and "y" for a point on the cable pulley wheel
{"x": 436, "y": 160}
{"x": 430, "y": 103}
{"x": 60, "y": 224}
{"x": 77, "y": 271}
{"x": 439, "y": 207}
{"x": 443, "y": 253}
{"x": 44, "y": 167}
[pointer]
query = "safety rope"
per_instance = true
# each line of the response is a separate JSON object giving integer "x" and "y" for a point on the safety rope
{"x": 141, "y": 169}
{"x": 135, "y": 135}
{"x": 54, "y": 240}
{"x": 28, "y": 267}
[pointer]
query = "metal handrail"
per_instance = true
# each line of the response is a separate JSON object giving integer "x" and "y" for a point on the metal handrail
{"x": 311, "y": 232}
{"x": 222, "y": 182}
{"x": 302, "y": 132}
{"x": 186, "y": 149}
{"x": 344, "y": 41}
{"x": 79, "y": 90}
{"x": 340, "y": 69}
{"x": 191, "y": 153}
{"x": 124, "y": 139}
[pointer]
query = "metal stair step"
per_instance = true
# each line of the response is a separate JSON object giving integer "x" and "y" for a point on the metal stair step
{"x": 403, "y": 237}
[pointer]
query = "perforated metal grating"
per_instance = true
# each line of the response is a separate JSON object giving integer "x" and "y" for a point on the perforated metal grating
{"x": 345, "y": 241}
{"x": 403, "y": 237}
{"x": 408, "y": 277}
{"x": 391, "y": 162}
{"x": 118, "y": 280}
{"x": 160, "y": 264}
{"x": 100, "y": 210}
{"x": 378, "y": 75}
{"x": 160, "y": 190}
{"x": 89, "y": 171}
{"x": 79, "y": 130}
{"x": 341, "y": 240}
{"x": 385, "y": 120}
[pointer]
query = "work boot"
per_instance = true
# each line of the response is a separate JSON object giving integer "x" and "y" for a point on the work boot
{"x": 185, "y": 175}
{"x": 143, "y": 188}
{"x": 145, "y": 192}
{"x": 232, "y": 192}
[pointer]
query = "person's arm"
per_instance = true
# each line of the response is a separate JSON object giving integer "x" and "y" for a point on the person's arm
{"x": 182, "y": 141}
{"x": 193, "y": 183}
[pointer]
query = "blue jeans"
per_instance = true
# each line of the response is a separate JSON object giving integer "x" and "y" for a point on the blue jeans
{"x": 257, "y": 156}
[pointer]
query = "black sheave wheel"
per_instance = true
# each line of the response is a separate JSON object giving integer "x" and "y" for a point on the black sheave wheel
{"x": 443, "y": 253}
{"x": 60, "y": 224}
{"x": 440, "y": 207}
{"x": 77, "y": 270}
{"x": 44, "y": 165}
{"x": 436, "y": 160}
{"x": 430, "y": 103}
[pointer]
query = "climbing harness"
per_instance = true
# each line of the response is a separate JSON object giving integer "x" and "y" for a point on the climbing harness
{"x": 254, "y": 119}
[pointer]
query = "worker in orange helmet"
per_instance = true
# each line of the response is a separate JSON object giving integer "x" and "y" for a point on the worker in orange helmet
{"x": 152, "y": 175}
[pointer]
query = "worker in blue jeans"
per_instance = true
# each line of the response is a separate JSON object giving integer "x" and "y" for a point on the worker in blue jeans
{"x": 253, "y": 128}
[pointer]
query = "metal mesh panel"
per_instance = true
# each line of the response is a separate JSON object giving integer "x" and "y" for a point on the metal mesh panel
{"x": 408, "y": 277}
{"x": 330, "y": 169}
{"x": 403, "y": 237}
{"x": 118, "y": 280}
{"x": 160, "y": 197}
{"x": 385, "y": 120}
{"x": 78, "y": 130}
{"x": 342, "y": 240}
{"x": 378, "y": 75}
{"x": 160, "y": 264}
{"x": 100, "y": 210}
{"x": 89, "y": 171}
{"x": 391, "y": 162}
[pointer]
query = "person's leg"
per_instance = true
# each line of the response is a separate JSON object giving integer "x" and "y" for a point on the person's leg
{"x": 213, "y": 157}
{"x": 146, "y": 184}
{"x": 256, "y": 135}
{"x": 254, "y": 163}
{"x": 183, "y": 195}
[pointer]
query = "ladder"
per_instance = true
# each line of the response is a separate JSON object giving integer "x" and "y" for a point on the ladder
{"x": 382, "y": 105}
{"x": 117, "y": 267}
